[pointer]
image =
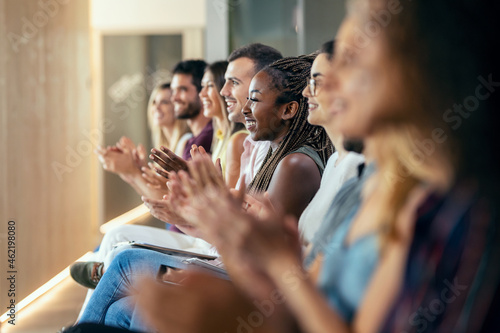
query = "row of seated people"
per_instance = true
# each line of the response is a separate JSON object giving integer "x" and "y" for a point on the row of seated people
{"x": 314, "y": 236}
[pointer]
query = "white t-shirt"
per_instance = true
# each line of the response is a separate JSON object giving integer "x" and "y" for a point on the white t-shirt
{"x": 331, "y": 182}
{"x": 179, "y": 149}
{"x": 252, "y": 158}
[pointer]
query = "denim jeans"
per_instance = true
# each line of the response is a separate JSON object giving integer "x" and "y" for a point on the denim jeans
{"x": 140, "y": 233}
{"x": 112, "y": 303}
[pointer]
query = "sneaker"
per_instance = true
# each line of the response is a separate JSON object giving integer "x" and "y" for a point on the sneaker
{"x": 87, "y": 273}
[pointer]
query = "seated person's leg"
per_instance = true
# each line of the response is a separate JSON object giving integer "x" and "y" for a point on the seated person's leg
{"x": 140, "y": 233}
{"x": 117, "y": 315}
{"x": 119, "y": 280}
{"x": 95, "y": 328}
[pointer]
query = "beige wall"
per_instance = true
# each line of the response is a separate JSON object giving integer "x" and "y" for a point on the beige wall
{"x": 47, "y": 173}
{"x": 144, "y": 16}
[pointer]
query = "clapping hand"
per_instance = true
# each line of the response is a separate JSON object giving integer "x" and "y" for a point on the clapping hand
{"x": 117, "y": 160}
{"x": 168, "y": 161}
{"x": 153, "y": 179}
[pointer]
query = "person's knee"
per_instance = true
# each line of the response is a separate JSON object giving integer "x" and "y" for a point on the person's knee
{"x": 120, "y": 313}
{"x": 134, "y": 261}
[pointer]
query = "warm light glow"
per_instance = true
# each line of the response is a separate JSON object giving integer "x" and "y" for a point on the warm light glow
{"x": 128, "y": 217}
{"x": 43, "y": 289}
{"x": 125, "y": 218}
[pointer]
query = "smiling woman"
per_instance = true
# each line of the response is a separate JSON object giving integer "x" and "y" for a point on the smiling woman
{"x": 166, "y": 130}
{"x": 277, "y": 111}
{"x": 227, "y": 144}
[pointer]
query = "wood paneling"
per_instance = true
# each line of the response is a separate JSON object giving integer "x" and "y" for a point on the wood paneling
{"x": 47, "y": 173}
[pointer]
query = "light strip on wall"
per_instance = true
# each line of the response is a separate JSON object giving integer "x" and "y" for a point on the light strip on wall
{"x": 125, "y": 218}
{"x": 43, "y": 289}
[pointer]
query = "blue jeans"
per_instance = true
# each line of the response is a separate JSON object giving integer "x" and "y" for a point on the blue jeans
{"x": 111, "y": 303}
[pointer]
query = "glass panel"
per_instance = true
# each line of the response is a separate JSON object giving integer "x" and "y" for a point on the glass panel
{"x": 269, "y": 22}
{"x": 132, "y": 66}
{"x": 292, "y": 26}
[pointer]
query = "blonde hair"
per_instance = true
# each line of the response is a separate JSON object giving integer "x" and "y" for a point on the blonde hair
{"x": 426, "y": 93}
{"x": 157, "y": 136}
{"x": 398, "y": 173}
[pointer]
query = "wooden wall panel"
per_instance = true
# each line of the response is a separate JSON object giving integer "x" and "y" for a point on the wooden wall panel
{"x": 47, "y": 173}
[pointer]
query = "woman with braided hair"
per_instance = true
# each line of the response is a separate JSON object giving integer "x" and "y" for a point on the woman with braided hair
{"x": 276, "y": 111}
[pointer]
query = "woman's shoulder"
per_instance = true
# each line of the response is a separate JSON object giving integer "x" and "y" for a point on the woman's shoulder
{"x": 236, "y": 141}
{"x": 297, "y": 163}
{"x": 240, "y": 135}
{"x": 311, "y": 154}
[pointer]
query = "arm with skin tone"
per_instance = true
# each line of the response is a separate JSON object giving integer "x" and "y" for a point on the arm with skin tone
{"x": 202, "y": 303}
{"x": 387, "y": 278}
{"x": 233, "y": 159}
{"x": 294, "y": 183}
{"x": 308, "y": 305}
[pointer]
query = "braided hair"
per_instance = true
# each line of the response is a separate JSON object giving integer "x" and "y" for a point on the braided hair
{"x": 290, "y": 76}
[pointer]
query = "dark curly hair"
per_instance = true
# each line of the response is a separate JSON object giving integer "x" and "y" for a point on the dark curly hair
{"x": 195, "y": 68}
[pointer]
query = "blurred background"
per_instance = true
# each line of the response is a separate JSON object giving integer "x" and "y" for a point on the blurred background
{"x": 78, "y": 73}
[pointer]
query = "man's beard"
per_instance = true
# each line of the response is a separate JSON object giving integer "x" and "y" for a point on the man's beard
{"x": 190, "y": 112}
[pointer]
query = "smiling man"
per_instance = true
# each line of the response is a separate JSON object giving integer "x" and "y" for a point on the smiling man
{"x": 244, "y": 63}
{"x": 185, "y": 85}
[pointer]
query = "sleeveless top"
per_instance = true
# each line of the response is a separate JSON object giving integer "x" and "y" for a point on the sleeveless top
{"x": 306, "y": 150}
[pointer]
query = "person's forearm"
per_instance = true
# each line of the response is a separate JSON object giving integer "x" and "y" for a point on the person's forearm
{"x": 191, "y": 231}
{"x": 309, "y": 306}
{"x": 140, "y": 185}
